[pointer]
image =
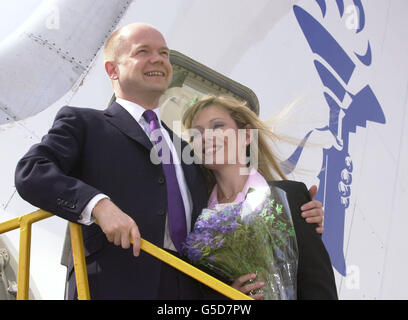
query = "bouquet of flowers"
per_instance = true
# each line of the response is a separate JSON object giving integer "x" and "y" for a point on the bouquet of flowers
{"x": 236, "y": 239}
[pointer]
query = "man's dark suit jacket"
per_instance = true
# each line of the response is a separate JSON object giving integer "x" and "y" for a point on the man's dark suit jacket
{"x": 87, "y": 152}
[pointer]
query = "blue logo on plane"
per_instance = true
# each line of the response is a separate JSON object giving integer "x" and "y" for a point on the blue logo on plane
{"x": 347, "y": 111}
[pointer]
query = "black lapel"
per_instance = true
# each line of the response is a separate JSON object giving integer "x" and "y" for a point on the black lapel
{"x": 121, "y": 119}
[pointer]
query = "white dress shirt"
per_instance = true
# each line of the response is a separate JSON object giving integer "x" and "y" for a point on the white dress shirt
{"x": 136, "y": 112}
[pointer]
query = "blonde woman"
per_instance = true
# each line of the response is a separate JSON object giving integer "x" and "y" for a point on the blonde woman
{"x": 232, "y": 145}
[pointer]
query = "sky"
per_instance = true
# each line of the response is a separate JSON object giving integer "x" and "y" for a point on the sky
{"x": 14, "y": 13}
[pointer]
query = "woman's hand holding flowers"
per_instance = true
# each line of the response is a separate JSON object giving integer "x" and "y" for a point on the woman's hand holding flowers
{"x": 250, "y": 288}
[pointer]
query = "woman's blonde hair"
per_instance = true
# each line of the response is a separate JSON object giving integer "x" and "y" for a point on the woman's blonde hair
{"x": 268, "y": 165}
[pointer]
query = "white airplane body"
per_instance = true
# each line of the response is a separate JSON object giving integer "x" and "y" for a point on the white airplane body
{"x": 333, "y": 74}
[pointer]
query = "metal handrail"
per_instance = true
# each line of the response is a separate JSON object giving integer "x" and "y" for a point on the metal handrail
{"x": 77, "y": 243}
{"x": 24, "y": 223}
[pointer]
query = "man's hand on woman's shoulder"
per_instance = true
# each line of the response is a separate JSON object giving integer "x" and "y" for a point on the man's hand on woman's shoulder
{"x": 313, "y": 211}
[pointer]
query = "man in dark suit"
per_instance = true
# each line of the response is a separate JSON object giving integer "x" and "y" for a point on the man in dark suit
{"x": 97, "y": 165}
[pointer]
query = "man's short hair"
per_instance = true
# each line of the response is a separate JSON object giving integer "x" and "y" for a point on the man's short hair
{"x": 115, "y": 43}
{"x": 112, "y": 46}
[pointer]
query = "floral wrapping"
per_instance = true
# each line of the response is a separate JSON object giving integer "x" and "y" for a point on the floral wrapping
{"x": 252, "y": 236}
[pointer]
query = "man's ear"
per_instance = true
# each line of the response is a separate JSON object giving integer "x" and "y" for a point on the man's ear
{"x": 110, "y": 68}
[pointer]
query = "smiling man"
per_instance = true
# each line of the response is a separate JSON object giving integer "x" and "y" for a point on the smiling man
{"x": 95, "y": 165}
{"x": 137, "y": 62}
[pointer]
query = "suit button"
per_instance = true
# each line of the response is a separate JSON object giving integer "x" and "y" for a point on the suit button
{"x": 161, "y": 180}
{"x": 160, "y": 212}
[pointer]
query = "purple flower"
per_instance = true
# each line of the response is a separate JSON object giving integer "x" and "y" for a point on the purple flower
{"x": 209, "y": 232}
{"x": 194, "y": 254}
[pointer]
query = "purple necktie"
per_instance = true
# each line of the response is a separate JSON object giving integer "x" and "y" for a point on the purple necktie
{"x": 175, "y": 205}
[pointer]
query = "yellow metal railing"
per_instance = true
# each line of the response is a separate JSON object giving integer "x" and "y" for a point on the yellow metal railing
{"x": 77, "y": 244}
